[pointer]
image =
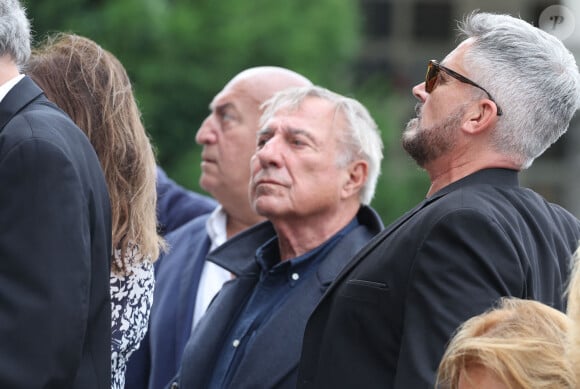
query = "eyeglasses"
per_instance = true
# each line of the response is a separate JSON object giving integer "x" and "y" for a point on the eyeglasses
{"x": 433, "y": 70}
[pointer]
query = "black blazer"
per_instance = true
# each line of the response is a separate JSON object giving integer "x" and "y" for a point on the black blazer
{"x": 55, "y": 249}
{"x": 386, "y": 320}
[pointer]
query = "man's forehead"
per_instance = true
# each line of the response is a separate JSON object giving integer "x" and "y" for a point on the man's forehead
{"x": 223, "y": 97}
{"x": 234, "y": 96}
{"x": 458, "y": 51}
{"x": 303, "y": 113}
{"x": 309, "y": 106}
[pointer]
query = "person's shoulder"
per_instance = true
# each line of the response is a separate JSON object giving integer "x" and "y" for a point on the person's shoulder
{"x": 184, "y": 242}
{"x": 34, "y": 117}
{"x": 191, "y": 233}
{"x": 30, "y": 104}
{"x": 44, "y": 122}
{"x": 503, "y": 205}
{"x": 193, "y": 226}
{"x": 477, "y": 202}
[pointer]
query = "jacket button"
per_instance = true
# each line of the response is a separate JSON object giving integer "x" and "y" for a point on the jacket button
{"x": 175, "y": 385}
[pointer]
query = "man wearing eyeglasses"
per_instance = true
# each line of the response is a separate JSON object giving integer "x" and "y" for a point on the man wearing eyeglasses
{"x": 494, "y": 104}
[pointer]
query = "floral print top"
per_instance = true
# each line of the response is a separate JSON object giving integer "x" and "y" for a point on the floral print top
{"x": 131, "y": 299}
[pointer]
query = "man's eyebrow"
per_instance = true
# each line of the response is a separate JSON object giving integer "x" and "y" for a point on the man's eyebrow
{"x": 264, "y": 131}
{"x": 299, "y": 131}
{"x": 289, "y": 130}
{"x": 219, "y": 107}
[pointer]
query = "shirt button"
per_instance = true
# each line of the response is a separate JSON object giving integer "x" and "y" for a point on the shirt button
{"x": 236, "y": 343}
{"x": 295, "y": 276}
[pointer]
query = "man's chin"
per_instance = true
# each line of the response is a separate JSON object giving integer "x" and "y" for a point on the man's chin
{"x": 207, "y": 183}
{"x": 265, "y": 206}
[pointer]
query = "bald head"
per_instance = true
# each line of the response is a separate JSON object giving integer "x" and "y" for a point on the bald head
{"x": 228, "y": 137}
{"x": 263, "y": 82}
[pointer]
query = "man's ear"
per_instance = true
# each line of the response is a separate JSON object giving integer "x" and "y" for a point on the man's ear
{"x": 481, "y": 117}
{"x": 357, "y": 173}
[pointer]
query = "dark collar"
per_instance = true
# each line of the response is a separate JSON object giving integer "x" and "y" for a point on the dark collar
{"x": 494, "y": 177}
{"x": 238, "y": 253}
{"x": 24, "y": 92}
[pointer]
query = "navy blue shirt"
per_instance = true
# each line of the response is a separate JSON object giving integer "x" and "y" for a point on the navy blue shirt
{"x": 277, "y": 280}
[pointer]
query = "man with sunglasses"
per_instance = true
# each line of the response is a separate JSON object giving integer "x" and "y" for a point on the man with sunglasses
{"x": 494, "y": 104}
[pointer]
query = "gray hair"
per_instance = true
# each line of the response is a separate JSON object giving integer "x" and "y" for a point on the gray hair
{"x": 14, "y": 32}
{"x": 531, "y": 75}
{"x": 360, "y": 139}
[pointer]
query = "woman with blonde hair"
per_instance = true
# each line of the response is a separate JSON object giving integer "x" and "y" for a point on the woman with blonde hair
{"x": 574, "y": 314}
{"x": 92, "y": 87}
{"x": 520, "y": 344}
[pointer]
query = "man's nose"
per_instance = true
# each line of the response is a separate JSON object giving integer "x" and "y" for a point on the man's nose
{"x": 419, "y": 92}
{"x": 270, "y": 154}
{"x": 207, "y": 132}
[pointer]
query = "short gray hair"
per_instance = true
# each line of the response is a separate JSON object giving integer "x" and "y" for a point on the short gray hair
{"x": 531, "y": 75}
{"x": 360, "y": 139}
{"x": 14, "y": 32}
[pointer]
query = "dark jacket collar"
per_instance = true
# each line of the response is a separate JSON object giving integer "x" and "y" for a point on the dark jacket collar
{"x": 24, "y": 92}
{"x": 492, "y": 176}
{"x": 237, "y": 254}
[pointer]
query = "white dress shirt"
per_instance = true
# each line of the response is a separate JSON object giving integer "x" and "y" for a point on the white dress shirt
{"x": 212, "y": 275}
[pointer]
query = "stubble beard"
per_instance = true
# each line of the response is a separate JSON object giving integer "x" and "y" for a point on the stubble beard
{"x": 426, "y": 144}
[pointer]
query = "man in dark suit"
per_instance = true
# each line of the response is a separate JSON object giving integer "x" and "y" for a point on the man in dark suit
{"x": 493, "y": 105}
{"x": 313, "y": 175}
{"x": 55, "y": 235}
{"x": 185, "y": 281}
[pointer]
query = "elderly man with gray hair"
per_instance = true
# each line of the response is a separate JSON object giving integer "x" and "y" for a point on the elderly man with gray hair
{"x": 313, "y": 175}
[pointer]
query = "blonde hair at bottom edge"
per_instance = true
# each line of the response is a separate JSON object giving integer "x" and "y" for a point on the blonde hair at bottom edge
{"x": 523, "y": 343}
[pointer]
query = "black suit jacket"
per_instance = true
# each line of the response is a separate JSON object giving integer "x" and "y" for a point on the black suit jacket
{"x": 55, "y": 249}
{"x": 386, "y": 320}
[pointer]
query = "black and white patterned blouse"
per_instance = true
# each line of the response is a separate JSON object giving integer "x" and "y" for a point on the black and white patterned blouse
{"x": 131, "y": 299}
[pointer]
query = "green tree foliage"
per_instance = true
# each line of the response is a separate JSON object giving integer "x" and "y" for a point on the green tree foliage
{"x": 180, "y": 53}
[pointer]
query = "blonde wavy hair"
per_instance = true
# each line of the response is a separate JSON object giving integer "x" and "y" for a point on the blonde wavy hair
{"x": 574, "y": 314}
{"x": 93, "y": 88}
{"x": 522, "y": 342}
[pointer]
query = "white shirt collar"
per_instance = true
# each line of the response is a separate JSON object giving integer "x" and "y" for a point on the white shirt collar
{"x": 8, "y": 85}
{"x": 216, "y": 227}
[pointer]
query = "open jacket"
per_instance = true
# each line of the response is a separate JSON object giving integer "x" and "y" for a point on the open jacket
{"x": 272, "y": 360}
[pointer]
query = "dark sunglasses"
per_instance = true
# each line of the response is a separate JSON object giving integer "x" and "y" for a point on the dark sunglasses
{"x": 433, "y": 70}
